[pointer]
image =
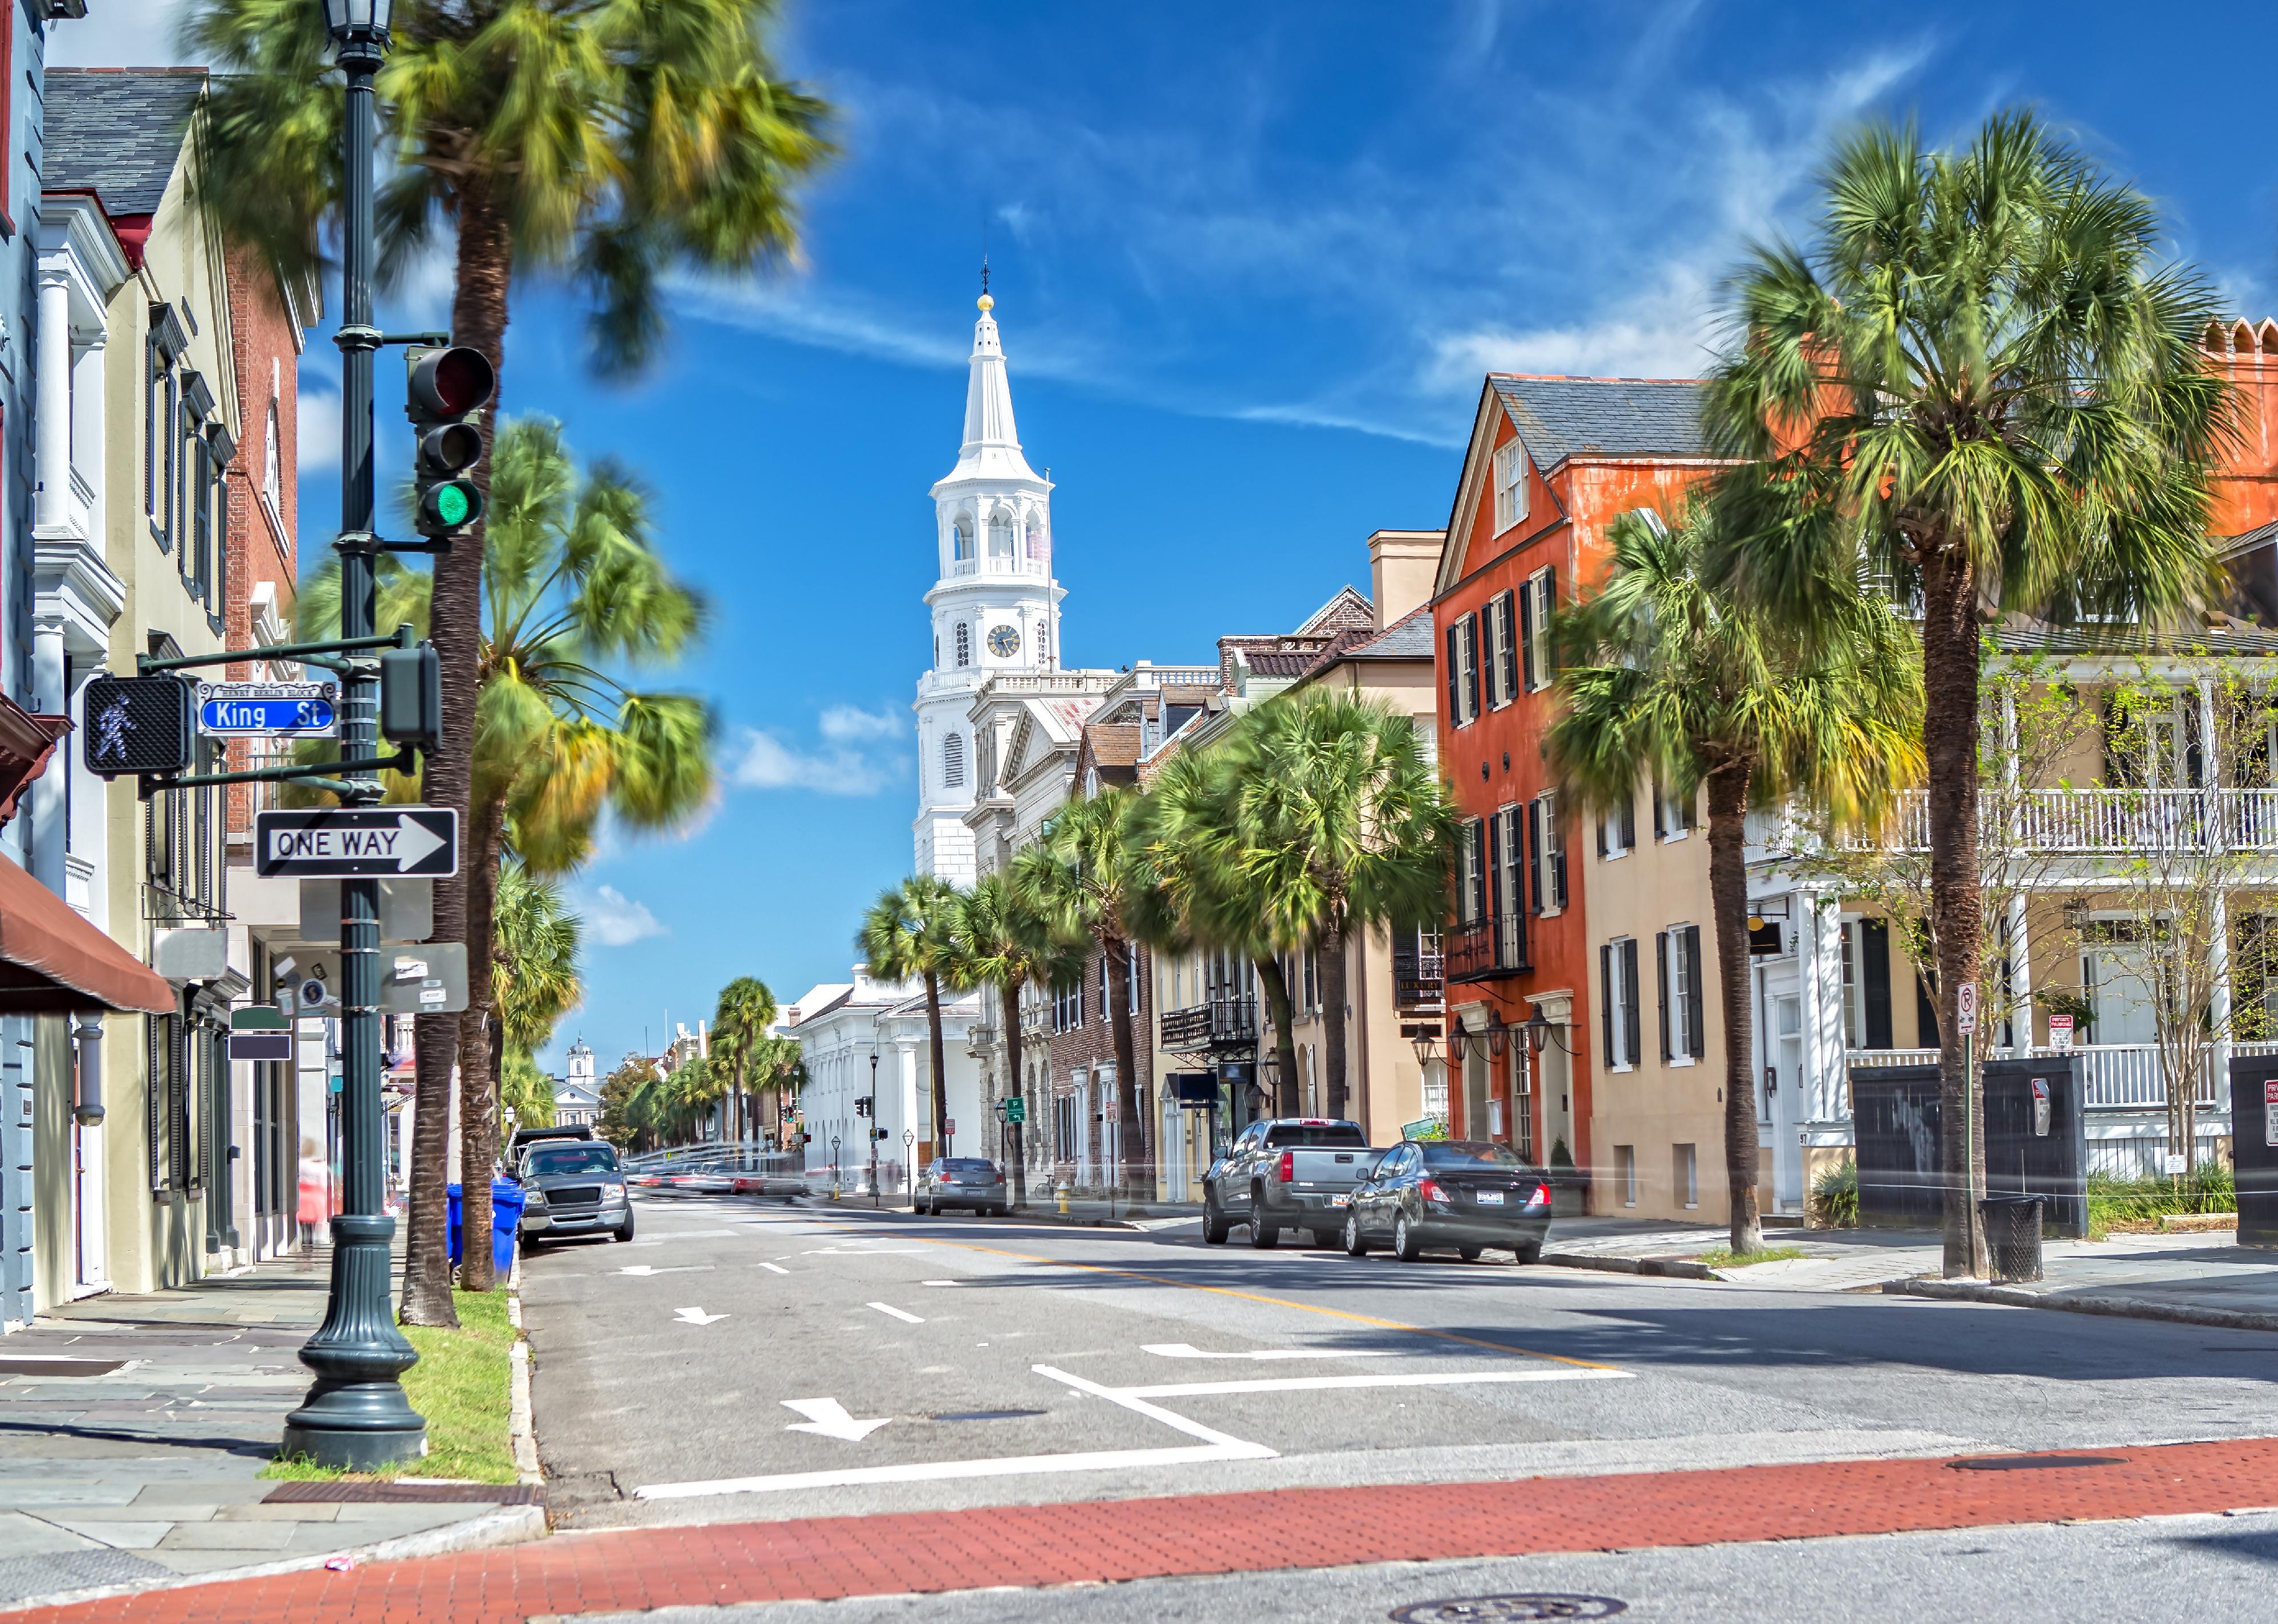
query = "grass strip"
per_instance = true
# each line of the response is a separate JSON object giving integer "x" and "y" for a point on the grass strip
{"x": 1724, "y": 1257}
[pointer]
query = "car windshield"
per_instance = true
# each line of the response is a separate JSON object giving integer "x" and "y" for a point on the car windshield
{"x": 1315, "y": 1136}
{"x": 967, "y": 1165}
{"x": 572, "y": 1159}
{"x": 1461, "y": 1153}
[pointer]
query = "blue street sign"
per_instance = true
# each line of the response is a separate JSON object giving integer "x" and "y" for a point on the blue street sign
{"x": 232, "y": 710}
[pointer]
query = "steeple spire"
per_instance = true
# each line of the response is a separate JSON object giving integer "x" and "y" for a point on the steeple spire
{"x": 992, "y": 444}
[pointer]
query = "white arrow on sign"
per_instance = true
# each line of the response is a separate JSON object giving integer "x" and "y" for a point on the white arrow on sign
{"x": 829, "y": 1418}
{"x": 696, "y": 1316}
{"x": 415, "y": 843}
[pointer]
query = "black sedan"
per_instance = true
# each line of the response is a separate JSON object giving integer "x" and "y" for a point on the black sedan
{"x": 1466, "y": 1193}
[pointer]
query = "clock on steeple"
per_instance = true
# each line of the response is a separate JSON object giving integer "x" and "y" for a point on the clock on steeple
{"x": 1003, "y": 640}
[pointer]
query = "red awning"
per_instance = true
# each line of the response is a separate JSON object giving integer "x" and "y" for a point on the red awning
{"x": 52, "y": 962}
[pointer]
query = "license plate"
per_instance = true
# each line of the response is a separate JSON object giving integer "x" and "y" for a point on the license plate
{"x": 1489, "y": 1198}
{"x": 1340, "y": 1201}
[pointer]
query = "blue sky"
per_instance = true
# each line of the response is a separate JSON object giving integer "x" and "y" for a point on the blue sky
{"x": 1251, "y": 261}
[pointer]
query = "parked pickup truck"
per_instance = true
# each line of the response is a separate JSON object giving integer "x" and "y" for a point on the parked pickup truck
{"x": 1285, "y": 1172}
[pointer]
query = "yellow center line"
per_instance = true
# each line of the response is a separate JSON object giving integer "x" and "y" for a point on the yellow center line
{"x": 1277, "y": 1302}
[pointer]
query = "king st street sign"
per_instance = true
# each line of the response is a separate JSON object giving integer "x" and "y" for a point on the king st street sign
{"x": 356, "y": 842}
{"x": 240, "y": 710}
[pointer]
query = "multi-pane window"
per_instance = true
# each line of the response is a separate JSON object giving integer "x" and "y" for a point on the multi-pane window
{"x": 1548, "y": 853}
{"x": 1673, "y": 815}
{"x": 1619, "y": 1027}
{"x": 1464, "y": 670}
{"x": 1534, "y": 603}
{"x": 1502, "y": 649}
{"x": 1471, "y": 880}
{"x": 1618, "y": 827}
{"x": 1678, "y": 951}
{"x": 1067, "y": 1007}
{"x": 1510, "y": 487}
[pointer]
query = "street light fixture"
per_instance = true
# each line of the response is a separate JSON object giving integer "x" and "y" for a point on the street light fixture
{"x": 874, "y": 1130}
{"x": 1539, "y": 1031}
{"x": 1427, "y": 1046}
{"x": 358, "y": 22}
{"x": 1498, "y": 1036}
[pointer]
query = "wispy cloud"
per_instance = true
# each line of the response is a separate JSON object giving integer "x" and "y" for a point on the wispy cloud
{"x": 860, "y": 754}
{"x": 612, "y": 919}
{"x": 851, "y": 723}
{"x": 319, "y": 429}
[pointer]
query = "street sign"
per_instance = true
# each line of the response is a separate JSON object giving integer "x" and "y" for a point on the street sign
{"x": 260, "y": 1044}
{"x": 2270, "y": 1111}
{"x": 1965, "y": 1001}
{"x": 427, "y": 979}
{"x": 358, "y": 842}
{"x": 949, "y": 1128}
{"x": 240, "y": 710}
{"x": 2061, "y": 1033}
{"x": 1016, "y": 1110}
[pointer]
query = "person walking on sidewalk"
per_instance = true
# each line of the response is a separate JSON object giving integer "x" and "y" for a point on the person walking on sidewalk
{"x": 315, "y": 1198}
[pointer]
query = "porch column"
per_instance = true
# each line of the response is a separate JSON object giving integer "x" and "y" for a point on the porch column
{"x": 51, "y": 693}
{"x": 2219, "y": 1011}
{"x": 2021, "y": 974}
{"x": 51, "y": 454}
{"x": 1820, "y": 949}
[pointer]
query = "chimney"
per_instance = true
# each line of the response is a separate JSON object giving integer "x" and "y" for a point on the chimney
{"x": 1402, "y": 567}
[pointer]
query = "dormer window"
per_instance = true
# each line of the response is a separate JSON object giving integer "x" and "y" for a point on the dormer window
{"x": 1510, "y": 485}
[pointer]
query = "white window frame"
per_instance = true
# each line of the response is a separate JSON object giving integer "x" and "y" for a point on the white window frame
{"x": 1510, "y": 484}
{"x": 1534, "y": 658}
{"x": 1468, "y": 691}
{"x": 1609, "y": 826}
{"x": 1620, "y": 999}
{"x": 1680, "y": 994}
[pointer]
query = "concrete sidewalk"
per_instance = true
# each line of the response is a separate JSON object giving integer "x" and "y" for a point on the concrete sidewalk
{"x": 133, "y": 1429}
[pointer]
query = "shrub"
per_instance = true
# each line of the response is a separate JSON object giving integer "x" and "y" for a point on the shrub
{"x": 1835, "y": 1196}
{"x": 2207, "y": 1187}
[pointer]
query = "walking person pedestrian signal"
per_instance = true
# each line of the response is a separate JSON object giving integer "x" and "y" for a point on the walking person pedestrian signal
{"x": 448, "y": 386}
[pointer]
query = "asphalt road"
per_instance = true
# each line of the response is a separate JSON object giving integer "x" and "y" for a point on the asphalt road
{"x": 741, "y": 1362}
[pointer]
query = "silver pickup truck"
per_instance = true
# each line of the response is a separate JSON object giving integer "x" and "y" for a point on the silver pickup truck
{"x": 1285, "y": 1172}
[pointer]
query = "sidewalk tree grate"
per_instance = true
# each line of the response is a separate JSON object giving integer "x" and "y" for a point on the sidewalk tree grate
{"x": 1508, "y": 1609}
{"x": 341, "y": 1492}
{"x": 2033, "y": 1463}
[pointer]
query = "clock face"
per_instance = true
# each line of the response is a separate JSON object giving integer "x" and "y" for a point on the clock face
{"x": 1003, "y": 640}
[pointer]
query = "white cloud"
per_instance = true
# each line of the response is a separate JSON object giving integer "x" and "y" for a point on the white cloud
{"x": 612, "y": 919}
{"x": 763, "y": 761}
{"x": 844, "y": 724}
{"x": 117, "y": 33}
{"x": 319, "y": 429}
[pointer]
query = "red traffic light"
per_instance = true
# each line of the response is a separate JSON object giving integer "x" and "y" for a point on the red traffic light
{"x": 453, "y": 381}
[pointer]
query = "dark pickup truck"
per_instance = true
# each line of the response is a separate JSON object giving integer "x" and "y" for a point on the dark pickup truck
{"x": 1285, "y": 1172}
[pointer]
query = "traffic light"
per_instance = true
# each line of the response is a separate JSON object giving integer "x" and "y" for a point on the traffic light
{"x": 879, "y": 1134}
{"x": 139, "y": 725}
{"x": 862, "y": 1105}
{"x": 411, "y": 696}
{"x": 448, "y": 386}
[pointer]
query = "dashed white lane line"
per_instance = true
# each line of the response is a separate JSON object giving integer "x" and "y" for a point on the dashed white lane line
{"x": 1406, "y": 1379}
{"x": 899, "y": 1314}
{"x": 775, "y": 1269}
{"x": 937, "y": 1282}
{"x": 1186, "y": 1350}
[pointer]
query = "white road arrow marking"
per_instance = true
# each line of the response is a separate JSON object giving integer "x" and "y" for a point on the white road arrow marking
{"x": 696, "y": 1316}
{"x": 644, "y": 1269}
{"x": 415, "y": 843}
{"x": 1186, "y": 1350}
{"x": 829, "y": 1418}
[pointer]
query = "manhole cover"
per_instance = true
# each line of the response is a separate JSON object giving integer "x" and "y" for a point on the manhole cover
{"x": 1532, "y": 1605}
{"x": 2033, "y": 1463}
{"x": 988, "y": 1414}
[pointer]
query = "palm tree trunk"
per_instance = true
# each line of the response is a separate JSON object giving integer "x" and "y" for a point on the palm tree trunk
{"x": 1951, "y": 651}
{"x": 1009, "y": 1002}
{"x": 1728, "y": 895}
{"x": 940, "y": 1066}
{"x": 1330, "y": 962}
{"x": 1285, "y": 1041}
{"x": 1131, "y": 1139}
{"x": 427, "y": 1238}
{"x": 478, "y": 1110}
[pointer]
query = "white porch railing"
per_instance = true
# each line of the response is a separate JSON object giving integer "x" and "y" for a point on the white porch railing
{"x": 2114, "y": 1076}
{"x": 2093, "y": 821}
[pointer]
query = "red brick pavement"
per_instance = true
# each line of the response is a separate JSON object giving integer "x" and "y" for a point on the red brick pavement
{"x": 830, "y": 1557}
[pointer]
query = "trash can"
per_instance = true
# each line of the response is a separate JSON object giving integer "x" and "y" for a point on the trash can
{"x": 2013, "y": 1236}
{"x": 506, "y": 1223}
{"x": 455, "y": 1192}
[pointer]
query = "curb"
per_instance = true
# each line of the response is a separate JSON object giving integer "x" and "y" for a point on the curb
{"x": 522, "y": 1430}
{"x": 1664, "y": 1268}
{"x": 506, "y": 1525}
{"x": 2118, "y": 1307}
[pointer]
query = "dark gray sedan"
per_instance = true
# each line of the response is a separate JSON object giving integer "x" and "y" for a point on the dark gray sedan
{"x": 1464, "y": 1194}
{"x": 573, "y": 1187}
{"x": 963, "y": 1181}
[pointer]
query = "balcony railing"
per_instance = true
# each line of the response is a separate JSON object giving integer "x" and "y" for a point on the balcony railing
{"x": 1495, "y": 946}
{"x": 2112, "y": 821}
{"x": 2114, "y": 1076}
{"x": 1221, "y": 1023}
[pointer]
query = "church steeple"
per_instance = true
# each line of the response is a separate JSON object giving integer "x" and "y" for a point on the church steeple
{"x": 992, "y": 444}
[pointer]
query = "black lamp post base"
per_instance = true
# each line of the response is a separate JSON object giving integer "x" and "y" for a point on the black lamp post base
{"x": 356, "y": 1417}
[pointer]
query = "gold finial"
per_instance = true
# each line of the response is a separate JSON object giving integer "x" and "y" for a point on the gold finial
{"x": 986, "y": 303}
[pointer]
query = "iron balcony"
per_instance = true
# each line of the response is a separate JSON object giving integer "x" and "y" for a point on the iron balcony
{"x": 1220, "y": 1024}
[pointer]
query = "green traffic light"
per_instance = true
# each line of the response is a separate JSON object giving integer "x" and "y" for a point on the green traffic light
{"x": 454, "y": 503}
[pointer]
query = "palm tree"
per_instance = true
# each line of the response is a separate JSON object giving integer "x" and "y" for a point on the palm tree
{"x": 1344, "y": 826}
{"x": 1207, "y": 896}
{"x": 525, "y": 1091}
{"x": 534, "y": 974}
{"x": 778, "y": 1066}
{"x": 1089, "y": 875}
{"x": 746, "y": 1010}
{"x": 1983, "y": 384}
{"x": 1003, "y": 938}
{"x": 1665, "y": 678}
{"x": 906, "y": 936}
{"x": 611, "y": 142}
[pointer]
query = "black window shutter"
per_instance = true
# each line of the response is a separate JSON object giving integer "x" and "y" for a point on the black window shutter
{"x": 1875, "y": 944}
{"x": 1925, "y": 1012}
{"x": 1535, "y": 852}
{"x": 1695, "y": 1019}
{"x": 1557, "y": 835}
{"x": 1492, "y": 866}
{"x": 1479, "y": 871}
{"x": 1629, "y": 819}
{"x": 1599, "y": 824}
{"x": 1685, "y": 809}
{"x": 1661, "y": 985}
{"x": 1660, "y": 823}
{"x": 1606, "y": 1004}
{"x": 1527, "y": 637}
{"x": 1550, "y": 608}
{"x": 1633, "y": 1033}
{"x": 1509, "y": 654}
{"x": 1471, "y": 665}
{"x": 1455, "y": 673}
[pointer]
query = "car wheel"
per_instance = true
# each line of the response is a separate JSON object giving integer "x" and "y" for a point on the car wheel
{"x": 1471, "y": 1254}
{"x": 1356, "y": 1243}
{"x": 1264, "y": 1236}
{"x": 626, "y": 1231}
{"x": 1406, "y": 1245}
{"x": 1216, "y": 1228}
{"x": 1527, "y": 1252}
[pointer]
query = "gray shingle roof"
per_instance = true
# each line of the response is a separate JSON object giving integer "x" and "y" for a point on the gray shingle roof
{"x": 1409, "y": 637}
{"x": 1561, "y": 417}
{"x": 117, "y": 131}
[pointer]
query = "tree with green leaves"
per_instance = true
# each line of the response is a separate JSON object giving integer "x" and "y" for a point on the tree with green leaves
{"x": 1666, "y": 679}
{"x": 1345, "y": 827}
{"x": 534, "y": 974}
{"x": 1003, "y": 938}
{"x": 1981, "y": 383}
{"x": 907, "y": 937}
{"x": 610, "y": 143}
{"x": 1089, "y": 876}
{"x": 746, "y": 1010}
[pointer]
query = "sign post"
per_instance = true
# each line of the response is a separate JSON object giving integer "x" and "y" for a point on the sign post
{"x": 1965, "y": 1017}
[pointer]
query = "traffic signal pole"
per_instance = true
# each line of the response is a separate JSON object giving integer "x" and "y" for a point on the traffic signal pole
{"x": 356, "y": 1415}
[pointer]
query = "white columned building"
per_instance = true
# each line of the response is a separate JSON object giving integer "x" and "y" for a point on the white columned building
{"x": 995, "y": 607}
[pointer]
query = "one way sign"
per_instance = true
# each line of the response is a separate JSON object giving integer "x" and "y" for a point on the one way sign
{"x": 352, "y": 841}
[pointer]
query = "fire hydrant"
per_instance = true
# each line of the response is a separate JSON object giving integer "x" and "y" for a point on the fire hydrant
{"x": 1062, "y": 1191}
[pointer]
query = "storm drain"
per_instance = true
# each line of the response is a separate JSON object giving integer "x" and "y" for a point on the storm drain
{"x": 2033, "y": 1463}
{"x": 1508, "y": 1609}
{"x": 986, "y": 1415}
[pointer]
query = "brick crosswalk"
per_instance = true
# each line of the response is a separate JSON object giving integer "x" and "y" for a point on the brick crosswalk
{"x": 827, "y": 1557}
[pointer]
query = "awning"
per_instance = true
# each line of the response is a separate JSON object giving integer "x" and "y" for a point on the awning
{"x": 52, "y": 962}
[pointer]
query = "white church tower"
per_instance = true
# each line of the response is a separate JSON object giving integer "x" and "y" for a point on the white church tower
{"x": 996, "y": 607}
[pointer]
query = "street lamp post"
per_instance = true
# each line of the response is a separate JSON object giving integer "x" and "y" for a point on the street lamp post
{"x": 875, "y": 1201}
{"x": 356, "y": 1415}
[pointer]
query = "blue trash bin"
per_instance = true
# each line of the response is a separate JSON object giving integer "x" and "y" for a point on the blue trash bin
{"x": 455, "y": 1192}
{"x": 506, "y": 1223}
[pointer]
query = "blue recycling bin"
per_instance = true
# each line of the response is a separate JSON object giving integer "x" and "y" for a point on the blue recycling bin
{"x": 455, "y": 1192}
{"x": 506, "y": 1223}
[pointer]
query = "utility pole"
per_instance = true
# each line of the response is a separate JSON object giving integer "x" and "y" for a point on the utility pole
{"x": 356, "y": 1415}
